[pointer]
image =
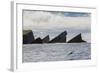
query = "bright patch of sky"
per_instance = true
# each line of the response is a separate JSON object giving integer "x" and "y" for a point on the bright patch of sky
{"x": 73, "y": 14}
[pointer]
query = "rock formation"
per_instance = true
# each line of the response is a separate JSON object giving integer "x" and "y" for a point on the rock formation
{"x": 27, "y": 36}
{"x": 46, "y": 39}
{"x": 76, "y": 39}
{"x": 37, "y": 41}
{"x": 61, "y": 38}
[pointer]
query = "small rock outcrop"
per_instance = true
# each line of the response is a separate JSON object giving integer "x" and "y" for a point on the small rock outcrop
{"x": 61, "y": 38}
{"x": 46, "y": 39}
{"x": 37, "y": 41}
{"x": 76, "y": 39}
{"x": 28, "y": 36}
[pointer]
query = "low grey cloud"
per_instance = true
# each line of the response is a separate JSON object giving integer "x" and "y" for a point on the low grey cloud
{"x": 43, "y": 19}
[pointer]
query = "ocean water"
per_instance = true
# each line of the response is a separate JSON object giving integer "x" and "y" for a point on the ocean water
{"x": 56, "y": 52}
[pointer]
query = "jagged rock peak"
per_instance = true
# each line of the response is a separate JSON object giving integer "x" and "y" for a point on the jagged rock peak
{"x": 76, "y": 39}
{"x": 61, "y": 38}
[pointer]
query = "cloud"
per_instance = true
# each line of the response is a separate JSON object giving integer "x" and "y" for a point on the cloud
{"x": 49, "y": 20}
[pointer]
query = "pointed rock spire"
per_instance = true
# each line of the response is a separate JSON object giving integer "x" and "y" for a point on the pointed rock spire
{"x": 46, "y": 39}
{"x": 76, "y": 39}
{"x": 61, "y": 38}
{"x": 38, "y": 40}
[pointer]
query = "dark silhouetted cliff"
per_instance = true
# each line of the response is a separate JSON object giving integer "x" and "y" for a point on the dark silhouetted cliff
{"x": 27, "y": 36}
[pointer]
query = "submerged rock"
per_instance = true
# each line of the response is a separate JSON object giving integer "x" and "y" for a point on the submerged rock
{"x": 27, "y": 36}
{"x": 76, "y": 39}
{"x": 61, "y": 38}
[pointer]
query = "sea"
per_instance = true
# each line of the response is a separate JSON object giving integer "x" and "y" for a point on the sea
{"x": 56, "y": 52}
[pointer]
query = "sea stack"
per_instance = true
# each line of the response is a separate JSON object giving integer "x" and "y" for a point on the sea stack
{"x": 46, "y": 39}
{"x": 28, "y": 36}
{"x": 37, "y": 41}
{"x": 76, "y": 39}
{"x": 61, "y": 38}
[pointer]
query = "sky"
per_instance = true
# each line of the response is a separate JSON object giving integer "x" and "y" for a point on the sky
{"x": 55, "y": 22}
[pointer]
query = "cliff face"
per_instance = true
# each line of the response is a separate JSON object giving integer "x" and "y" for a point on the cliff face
{"x": 76, "y": 39}
{"x": 27, "y": 36}
{"x": 61, "y": 38}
